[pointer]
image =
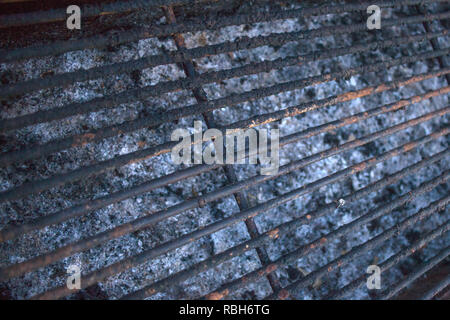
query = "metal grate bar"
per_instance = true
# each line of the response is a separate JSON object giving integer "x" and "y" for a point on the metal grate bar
{"x": 60, "y": 179}
{"x": 430, "y": 142}
{"x": 284, "y": 229}
{"x": 391, "y": 262}
{"x": 240, "y": 197}
{"x": 416, "y": 274}
{"x": 60, "y": 47}
{"x": 152, "y": 61}
{"x": 437, "y": 289}
{"x": 89, "y": 206}
{"x": 122, "y": 265}
{"x": 361, "y": 249}
{"x": 27, "y": 154}
{"x": 141, "y": 93}
{"x": 434, "y": 43}
{"x": 346, "y": 229}
{"x": 147, "y": 221}
{"x": 23, "y": 19}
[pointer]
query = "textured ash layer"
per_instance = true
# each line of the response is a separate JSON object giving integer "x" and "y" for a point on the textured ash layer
{"x": 56, "y": 199}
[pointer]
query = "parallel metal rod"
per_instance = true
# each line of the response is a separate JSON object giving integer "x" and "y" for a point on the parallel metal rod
{"x": 358, "y": 250}
{"x": 129, "y": 262}
{"x": 60, "y": 179}
{"x": 90, "y": 10}
{"x": 79, "y": 140}
{"x": 284, "y": 228}
{"x": 269, "y": 273}
{"x": 434, "y": 43}
{"x": 154, "y": 218}
{"x": 389, "y": 263}
{"x": 82, "y": 139}
{"x": 306, "y": 249}
{"x": 133, "y": 95}
{"x": 92, "y": 205}
{"x": 416, "y": 274}
{"x": 431, "y": 293}
{"x": 384, "y": 266}
{"x": 64, "y": 79}
{"x": 240, "y": 196}
{"x": 194, "y": 25}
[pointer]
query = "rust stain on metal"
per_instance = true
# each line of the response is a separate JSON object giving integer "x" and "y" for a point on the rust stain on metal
{"x": 381, "y": 88}
{"x": 256, "y": 123}
{"x": 105, "y": 13}
{"x": 351, "y": 120}
{"x": 271, "y": 268}
{"x": 217, "y": 295}
{"x": 274, "y": 233}
{"x": 141, "y": 144}
{"x": 84, "y": 139}
{"x": 398, "y": 105}
{"x": 151, "y": 291}
{"x": 261, "y": 273}
{"x": 359, "y": 167}
{"x": 409, "y": 146}
{"x": 355, "y": 94}
{"x": 283, "y": 294}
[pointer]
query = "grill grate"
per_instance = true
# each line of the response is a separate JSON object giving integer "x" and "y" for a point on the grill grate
{"x": 432, "y": 146}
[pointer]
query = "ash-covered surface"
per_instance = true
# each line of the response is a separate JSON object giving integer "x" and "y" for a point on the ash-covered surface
{"x": 51, "y": 201}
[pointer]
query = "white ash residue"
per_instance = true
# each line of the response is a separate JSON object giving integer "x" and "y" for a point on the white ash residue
{"x": 51, "y": 201}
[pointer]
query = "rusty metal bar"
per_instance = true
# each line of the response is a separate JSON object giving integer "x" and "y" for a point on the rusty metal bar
{"x": 127, "y": 263}
{"x": 91, "y": 10}
{"x": 154, "y": 218}
{"x": 436, "y": 289}
{"x": 92, "y": 205}
{"x": 99, "y": 103}
{"x": 60, "y": 179}
{"x": 193, "y": 25}
{"x": 416, "y": 274}
{"x": 284, "y": 228}
{"x": 56, "y": 180}
{"x": 114, "y": 100}
{"x": 434, "y": 43}
{"x": 386, "y": 265}
{"x": 194, "y": 82}
{"x": 322, "y": 241}
{"x": 358, "y": 250}
{"x": 389, "y": 263}
{"x": 155, "y": 119}
{"x": 22, "y": 19}
{"x": 240, "y": 196}
{"x": 64, "y": 79}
